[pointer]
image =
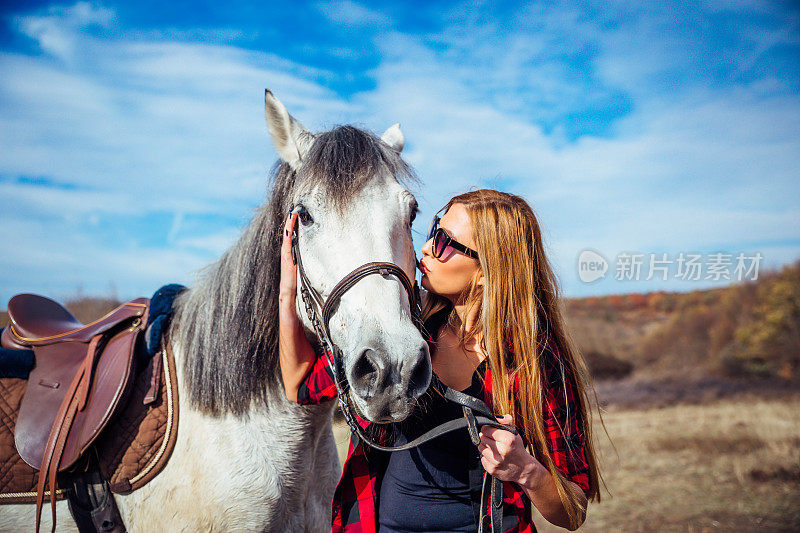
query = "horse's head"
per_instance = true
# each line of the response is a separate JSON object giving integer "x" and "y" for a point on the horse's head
{"x": 353, "y": 209}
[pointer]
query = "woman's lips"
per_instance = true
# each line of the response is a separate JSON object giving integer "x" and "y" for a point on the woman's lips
{"x": 423, "y": 268}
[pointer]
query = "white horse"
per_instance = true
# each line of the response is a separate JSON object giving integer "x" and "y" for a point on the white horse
{"x": 246, "y": 458}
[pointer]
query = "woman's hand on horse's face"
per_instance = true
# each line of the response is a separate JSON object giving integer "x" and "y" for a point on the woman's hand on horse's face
{"x": 503, "y": 455}
{"x": 288, "y": 285}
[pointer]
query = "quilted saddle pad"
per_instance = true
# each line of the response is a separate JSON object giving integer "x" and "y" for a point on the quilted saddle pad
{"x": 132, "y": 450}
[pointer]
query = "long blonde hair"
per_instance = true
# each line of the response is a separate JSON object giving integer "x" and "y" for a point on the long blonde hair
{"x": 519, "y": 299}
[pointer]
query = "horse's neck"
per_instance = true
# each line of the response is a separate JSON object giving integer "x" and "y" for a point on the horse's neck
{"x": 227, "y": 326}
{"x": 276, "y": 412}
{"x": 275, "y": 406}
{"x": 258, "y": 469}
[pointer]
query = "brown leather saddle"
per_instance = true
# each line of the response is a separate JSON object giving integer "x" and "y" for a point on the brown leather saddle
{"x": 81, "y": 380}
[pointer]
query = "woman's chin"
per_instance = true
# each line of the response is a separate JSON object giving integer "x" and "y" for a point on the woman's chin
{"x": 424, "y": 282}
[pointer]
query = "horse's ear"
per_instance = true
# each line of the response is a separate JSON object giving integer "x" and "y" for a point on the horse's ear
{"x": 394, "y": 138}
{"x": 290, "y": 138}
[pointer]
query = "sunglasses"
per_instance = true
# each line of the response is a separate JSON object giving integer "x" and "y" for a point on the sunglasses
{"x": 442, "y": 241}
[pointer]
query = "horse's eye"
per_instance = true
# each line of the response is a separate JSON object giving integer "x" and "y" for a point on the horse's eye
{"x": 414, "y": 211}
{"x": 305, "y": 217}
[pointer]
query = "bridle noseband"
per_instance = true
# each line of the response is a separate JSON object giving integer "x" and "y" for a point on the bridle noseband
{"x": 319, "y": 313}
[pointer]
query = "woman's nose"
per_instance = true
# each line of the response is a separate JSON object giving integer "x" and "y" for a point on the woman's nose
{"x": 426, "y": 248}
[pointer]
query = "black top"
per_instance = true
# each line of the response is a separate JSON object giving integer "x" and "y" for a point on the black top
{"x": 428, "y": 488}
{"x": 437, "y": 485}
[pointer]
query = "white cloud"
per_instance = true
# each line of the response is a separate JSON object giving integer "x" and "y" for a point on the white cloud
{"x": 146, "y": 127}
{"x": 55, "y": 32}
{"x": 177, "y": 221}
{"x": 157, "y": 126}
{"x": 711, "y": 168}
{"x": 350, "y": 13}
{"x": 181, "y": 121}
{"x": 214, "y": 244}
{"x": 60, "y": 265}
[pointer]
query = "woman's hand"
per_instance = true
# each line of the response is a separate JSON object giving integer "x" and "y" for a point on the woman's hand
{"x": 294, "y": 351}
{"x": 503, "y": 455}
{"x": 287, "y": 292}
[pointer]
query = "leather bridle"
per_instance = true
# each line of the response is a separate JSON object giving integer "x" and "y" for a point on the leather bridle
{"x": 319, "y": 313}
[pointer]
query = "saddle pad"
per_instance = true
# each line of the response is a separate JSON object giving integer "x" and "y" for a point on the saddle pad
{"x": 18, "y": 480}
{"x": 132, "y": 449}
{"x": 143, "y": 436}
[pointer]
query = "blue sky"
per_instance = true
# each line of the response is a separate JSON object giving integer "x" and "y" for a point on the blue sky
{"x": 133, "y": 147}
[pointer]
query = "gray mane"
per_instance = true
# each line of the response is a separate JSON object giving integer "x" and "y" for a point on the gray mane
{"x": 227, "y": 325}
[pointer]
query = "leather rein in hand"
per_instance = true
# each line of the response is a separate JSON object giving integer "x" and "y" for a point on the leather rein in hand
{"x": 319, "y": 313}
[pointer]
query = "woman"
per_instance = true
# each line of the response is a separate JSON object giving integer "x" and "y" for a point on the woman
{"x": 490, "y": 294}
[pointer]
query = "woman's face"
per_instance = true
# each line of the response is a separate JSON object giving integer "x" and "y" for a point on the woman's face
{"x": 452, "y": 273}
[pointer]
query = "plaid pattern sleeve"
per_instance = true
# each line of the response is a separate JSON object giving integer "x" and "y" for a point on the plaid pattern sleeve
{"x": 564, "y": 436}
{"x": 319, "y": 385}
{"x": 355, "y": 499}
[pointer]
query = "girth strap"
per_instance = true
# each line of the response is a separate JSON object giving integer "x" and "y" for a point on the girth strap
{"x": 91, "y": 502}
{"x": 74, "y": 401}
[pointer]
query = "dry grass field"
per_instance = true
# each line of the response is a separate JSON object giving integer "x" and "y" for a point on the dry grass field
{"x": 729, "y": 465}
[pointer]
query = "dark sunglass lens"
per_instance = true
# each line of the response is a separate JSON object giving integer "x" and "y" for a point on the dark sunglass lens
{"x": 434, "y": 225}
{"x": 438, "y": 242}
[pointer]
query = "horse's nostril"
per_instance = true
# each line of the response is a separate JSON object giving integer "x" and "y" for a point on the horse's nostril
{"x": 420, "y": 374}
{"x": 365, "y": 372}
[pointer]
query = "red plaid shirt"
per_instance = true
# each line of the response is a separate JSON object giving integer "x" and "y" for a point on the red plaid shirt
{"x": 355, "y": 501}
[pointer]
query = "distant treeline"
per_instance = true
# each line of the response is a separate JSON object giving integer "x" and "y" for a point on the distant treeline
{"x": 746, "y": 330}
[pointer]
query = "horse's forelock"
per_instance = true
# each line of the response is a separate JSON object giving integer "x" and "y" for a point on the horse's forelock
{"x": 342, "y": 161}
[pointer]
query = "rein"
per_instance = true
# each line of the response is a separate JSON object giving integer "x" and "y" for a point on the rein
{"x": 319, "y": 312}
